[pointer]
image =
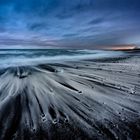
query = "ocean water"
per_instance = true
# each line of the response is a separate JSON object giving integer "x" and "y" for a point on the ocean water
{"x": 17, "y": 57}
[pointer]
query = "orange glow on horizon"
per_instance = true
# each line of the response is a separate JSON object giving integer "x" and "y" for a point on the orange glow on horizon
{"x": 122, "y": 47}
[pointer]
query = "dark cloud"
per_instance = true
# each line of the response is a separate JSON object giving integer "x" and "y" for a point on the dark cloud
{"x": 96, "y": 21}
{"x": 86, "y": 23}
{"x": 36, "y": 26}
{"x": 70, "y": 35}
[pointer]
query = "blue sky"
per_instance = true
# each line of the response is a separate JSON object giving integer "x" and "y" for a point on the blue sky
{"x": 69, "y": 23}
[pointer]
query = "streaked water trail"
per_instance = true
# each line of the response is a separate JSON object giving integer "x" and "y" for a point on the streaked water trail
{"x": 82, "y": 99}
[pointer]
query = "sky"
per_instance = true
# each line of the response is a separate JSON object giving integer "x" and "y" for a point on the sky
{"x": 92, "y": 24}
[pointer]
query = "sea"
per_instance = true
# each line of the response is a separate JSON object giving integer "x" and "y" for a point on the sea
{"x": 20, "y": 57}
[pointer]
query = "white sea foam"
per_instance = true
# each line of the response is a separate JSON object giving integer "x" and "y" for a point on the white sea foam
{"x": 31, "y": 58}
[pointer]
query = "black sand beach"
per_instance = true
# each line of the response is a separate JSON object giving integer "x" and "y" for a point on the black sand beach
{"x": 78, "y": 100}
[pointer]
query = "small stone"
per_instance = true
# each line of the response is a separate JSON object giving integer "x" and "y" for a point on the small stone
{"x": 79, "y": 91}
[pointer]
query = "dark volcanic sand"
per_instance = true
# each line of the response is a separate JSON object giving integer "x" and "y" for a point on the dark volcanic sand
{"x": 71, "y": 101}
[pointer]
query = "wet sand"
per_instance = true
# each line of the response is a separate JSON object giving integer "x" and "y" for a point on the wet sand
{"x": 71, "y": 100}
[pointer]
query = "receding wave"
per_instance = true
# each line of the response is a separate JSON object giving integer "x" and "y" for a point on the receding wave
{"x": 33, "y": 57}
{"x": 82, "y": 100}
